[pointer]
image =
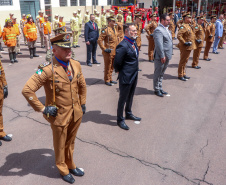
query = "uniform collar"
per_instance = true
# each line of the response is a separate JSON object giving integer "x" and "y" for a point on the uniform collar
{"x": 62, "y": 63}
{"x": 128, "y": 39}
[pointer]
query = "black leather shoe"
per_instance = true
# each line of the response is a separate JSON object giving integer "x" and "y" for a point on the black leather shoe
{"x": 96, "y": 62}
{"x": 0, "y": 143}
{"x": 122, "y": 125}
{"x": 77, "y": 46}
{"x": 216, "y": 52}
{"x": 108, "y": 83}
{"x": 77, "y": 172}
{"x": 19, "y": 53}
{"x": 68, "y": 178}
{"x": 158, "y": 93}
{"x": 221, "y": 48}
{"x": 182, "y": 78}
{"x": 74, "y": 46}
{"x": 132, "y": 117}
{"x": 151, "y": 61}
{"x": 208, "y": 59}
{"x": 197, "y": 67}
{"x": 163, "y": 92}
{"x": 186, "y": 77}
{"x": 139, "y": 69}
{"x": 113, "y": 82}
{"x": 6, "y": 138}
{"x": 89, "y": 64}
{"x": 42, "y": 46}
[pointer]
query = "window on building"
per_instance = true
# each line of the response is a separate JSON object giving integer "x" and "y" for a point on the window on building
{"x": 94, "y": 2}
{"x": 6, "y": 2}
{"x": 63, "y": 2}
{"x": 82, "y": 2}
{"x": 109, "y": 2}
{"x": 47, "y": 1}
{"x": 74, "y": 3}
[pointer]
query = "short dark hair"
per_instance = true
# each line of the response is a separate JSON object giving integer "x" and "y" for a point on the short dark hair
{"x": 90, "y": 15}
{"x": 126, "y": 26}
{"x": 163, "y": 17}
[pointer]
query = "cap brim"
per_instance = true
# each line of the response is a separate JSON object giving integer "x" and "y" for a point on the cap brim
{"x": 63, "y": 44}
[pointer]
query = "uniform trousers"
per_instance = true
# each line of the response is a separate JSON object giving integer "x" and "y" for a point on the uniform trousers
{"x": 75, "y": 36}
{"x": 2, "y": 133}
{"x": 126, "y": 93}
{"x": 46, "y": 39}
{"x": 12, "y": 49}
{"x": 215, "y": 44}
{"x": 31, "y": 44}
{"x": 41, "y": 38}
{"x": 25, "y": 39}
{"x": 17, "y": 43}
{"x": 63, "y": 143}
{"x": 196, "y": 55}
{"x": 220, "y": 45}
{"x": 91, "y": 49}
{"x": 207, "y": 49}
{"x": 184, "y": 56}
{"x": 160, "y": 69}
{"x": 80, "y": 29}
{"x": 151, "y": 47}
{"x": 108, "y": 66}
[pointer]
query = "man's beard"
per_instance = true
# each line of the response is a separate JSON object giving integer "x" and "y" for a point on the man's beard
{"x": 132, "y": 37}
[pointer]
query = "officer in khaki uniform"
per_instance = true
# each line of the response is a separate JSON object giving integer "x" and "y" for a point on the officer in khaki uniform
{"x": 79, "y": 21}
{"x": 138, "y": 24}
{"x": 200, "y": 34}
{"x": 64, "y": 113}
{"x": 150, "y": 28}
{"x": 109, "y": 36}
{"x": 119, "y": 28}
{"x": 129, "y": 18}
{"x": 3, "y": 95}
{"x": 220, "y": 45}
{"x": 186, "y": 38}
{"x": 74, "y": 23}
{"x": 103, "y": 19}
{"x": 172, "y": 25}
{"x": 209, "y": 37}
{"x": 86, "y": 16}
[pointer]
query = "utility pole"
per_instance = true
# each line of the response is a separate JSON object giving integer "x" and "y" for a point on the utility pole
{"x": 174, "y": 4}
{"x": 199, "y": 5}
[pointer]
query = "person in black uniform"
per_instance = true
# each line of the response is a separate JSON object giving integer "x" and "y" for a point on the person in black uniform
{"x": 126, "y": 64}
{"x": 91, "y": 37}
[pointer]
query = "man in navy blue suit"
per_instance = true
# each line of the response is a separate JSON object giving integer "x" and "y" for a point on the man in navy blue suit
{"x": 91, "y": 37}
{"x": 126, "y": 64}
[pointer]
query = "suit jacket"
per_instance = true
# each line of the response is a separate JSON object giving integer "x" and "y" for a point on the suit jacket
{"x": 176, "y": 19}
{"x": 126, "y": 62}
{"x": 163, "y": 43}
{"x": 91, "y": 34}
{"x": 219, "y": 28}
{"x": 69, "y": 95}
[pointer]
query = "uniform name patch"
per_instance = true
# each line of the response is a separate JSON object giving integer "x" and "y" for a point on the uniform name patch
{"x": 39, "y": 72}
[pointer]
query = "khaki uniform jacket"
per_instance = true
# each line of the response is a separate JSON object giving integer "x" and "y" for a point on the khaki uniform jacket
{"x": 210, "y": 30}
{"x": 139, "y": 29}
{"x": 69, "y": 95}
{"x": 98, "y": 21}
{"x": 150, "y": 28}
{"x": 74, "y": 23}
{"x": 119, "y": 28}
{"x": 110, "y": 39}
{"x": 3, "y": 82}
{"x": 172, "y": 28}
{"x": 79, "y": 15}
{"x": 103, "y": 20}
{"x": 86, "y": 18}
{"x": 199, "y": 34}
{"x": 129, "y": 19}
{"x": 186, "y": 34}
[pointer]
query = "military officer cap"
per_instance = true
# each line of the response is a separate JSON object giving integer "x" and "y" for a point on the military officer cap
{"x": 111, "y": 18}
{"x": 213, "y": 16}
{"x": 186, "y": 15}
{"x": 61, "y": 16}
{"x": 62, "y": 40}
{"x": 23, "y": 15}
{"x": 171, "y": 13}
{"x": 199, "y": 17}
{"x": 56, "y": 15}
{"x": 11, "y": 13}
{"x": 138, "y": 16}
{"x": 87, "y": 10}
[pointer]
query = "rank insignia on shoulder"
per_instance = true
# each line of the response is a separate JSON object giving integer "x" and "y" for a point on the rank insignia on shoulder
{"x": 196, "y": 27}
{"x": 78, "y": 75}
{"x": 181, "y": 27}
{"x": 103, "y": 31}
{"x": 44, "y": 65}
{"x": 39, "y": 71}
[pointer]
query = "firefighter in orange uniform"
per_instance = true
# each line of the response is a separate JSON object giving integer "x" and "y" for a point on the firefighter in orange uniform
{"x": 62, "y": 23}
{"x": 200, "y": 34}
{"x": 30, "y": 32}
{"x": 65, "y": 106}
{"x": 9, "y": 38}
{"x": 3, "y": 95}
{"x": 138, "y": 25}
{"x": 109, "y": 36}
{"x": 119, "y": 28}
{"x": 150, "y": 28}
{"x": 209, "y": 37}
{"x": 186, "y": 38}
{"x": 46, "y": 29}
{"x": 22, "y": 23}
{"x": 17, "y": 29}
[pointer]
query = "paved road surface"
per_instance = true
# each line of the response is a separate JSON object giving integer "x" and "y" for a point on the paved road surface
{"x": 180, "y": 141}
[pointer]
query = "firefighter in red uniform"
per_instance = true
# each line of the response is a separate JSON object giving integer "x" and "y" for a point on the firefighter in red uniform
{"x": 148, "y": 15}
{"x": 143, "y": 19}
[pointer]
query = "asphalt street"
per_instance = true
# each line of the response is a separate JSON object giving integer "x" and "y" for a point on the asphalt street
{"x": 180, "y": 141}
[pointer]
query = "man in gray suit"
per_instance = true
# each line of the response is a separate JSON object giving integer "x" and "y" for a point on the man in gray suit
{"x": 162, "y": 53}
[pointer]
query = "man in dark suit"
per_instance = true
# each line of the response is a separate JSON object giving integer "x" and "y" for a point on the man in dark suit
{"x": 176, "y": 19}
{"x": 126, "y": 64}
{"x": 91, "y": 37}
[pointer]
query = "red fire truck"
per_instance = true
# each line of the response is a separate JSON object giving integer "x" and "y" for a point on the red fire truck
{"x": 124, "y": 5}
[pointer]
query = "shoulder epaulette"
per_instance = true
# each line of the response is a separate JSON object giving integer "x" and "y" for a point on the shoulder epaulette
{"x": 44, "y": 64}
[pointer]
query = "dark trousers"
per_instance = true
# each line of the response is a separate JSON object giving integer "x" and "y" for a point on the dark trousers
{"x": 91, "y": 49}
{"x": 125, "y": 97}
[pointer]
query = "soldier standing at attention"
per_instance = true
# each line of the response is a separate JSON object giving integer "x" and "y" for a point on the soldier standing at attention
{"x": 112, "y": 13}
{"x": 55, "y": 22}
{"x": 17, "y": 29}
{"x": 30, "y": 33}
{"x": 79, "y": 21}
{"x": 46, "y": 31}
{"x": 75, "y": 29}
{"x": 3, "y": 95}
{"x": 22, "y": 23}
{"x": 172, "y": 25}
{"x": 138, "y": 25}
{"x": 119, "y": 28}
{"x": 39, "y": 21}
{"x": 86, "y": 16}
{"x": 186, "y": 44}
{"x": 65, "y": 102}
{"x": 98, "y": 21}
{"x": 62, "y": 23}
{"x": 209, "y": 37}
{"x": 120, "y": 13}
{"x": 150, "y": 28}
{"x": 199, "y": 33}
{"x": 129, "y": 18}
{"x": 110, "y": 38}
{"x": 103, "y": 20}
{"x": 9, "y": 38}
